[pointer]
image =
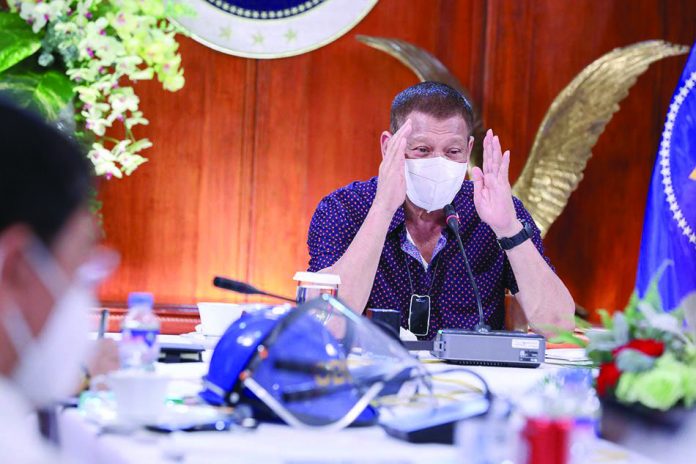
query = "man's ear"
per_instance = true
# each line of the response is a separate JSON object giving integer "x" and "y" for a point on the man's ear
{"x": 13, "y": 241}
{"x": 471, "y": 144}
{"x": 384, "y": 141}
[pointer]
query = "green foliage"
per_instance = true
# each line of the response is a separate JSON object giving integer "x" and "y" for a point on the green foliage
{"x": 655, "y": 380}
{"x": 605, "y": 317}
{"x": 90, "y": 53}
{"x": 630, "y": 360}
{"x": 599, "y": 357}
{"x": 17, "y": 40}
{"x": 581, "y": 323}
{"x": 47, "y": 92}
{"x": 568, "y": 337}
{"x": 652, "y": 294}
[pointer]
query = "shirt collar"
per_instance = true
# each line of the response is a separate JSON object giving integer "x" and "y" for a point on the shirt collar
{"x": 397, "y": 220}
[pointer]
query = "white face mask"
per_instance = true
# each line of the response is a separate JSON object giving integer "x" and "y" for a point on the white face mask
{"x": 432, "y": 183}
{"x": 49, "y": 365}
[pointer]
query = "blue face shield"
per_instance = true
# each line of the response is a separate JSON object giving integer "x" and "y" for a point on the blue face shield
{"x": 317, "y": 365}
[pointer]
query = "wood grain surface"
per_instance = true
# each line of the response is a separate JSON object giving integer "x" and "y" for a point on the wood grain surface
{"x": 246, "y": 150}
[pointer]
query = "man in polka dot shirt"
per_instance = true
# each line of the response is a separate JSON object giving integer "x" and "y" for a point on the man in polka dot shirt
{"x": 388, "y": 240}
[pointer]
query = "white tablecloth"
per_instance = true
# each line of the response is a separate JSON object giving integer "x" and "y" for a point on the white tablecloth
{"x": 281, "y": 444}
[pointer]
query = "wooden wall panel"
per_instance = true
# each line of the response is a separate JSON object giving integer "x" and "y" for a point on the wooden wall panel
{"x": 248, "y": 148}
{"x": 595, "y": 242}
{"x": 183, "y": 216}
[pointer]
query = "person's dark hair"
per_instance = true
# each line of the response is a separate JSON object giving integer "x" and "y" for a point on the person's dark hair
{"x": 433, "y": 98}
{"x": 44, "y": 176}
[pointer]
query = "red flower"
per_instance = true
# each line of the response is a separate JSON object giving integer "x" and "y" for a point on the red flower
{"x": 649, "y": 347}
{"x": 608, "y": 377}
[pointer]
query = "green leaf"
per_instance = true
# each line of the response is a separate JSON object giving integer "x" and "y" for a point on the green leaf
{"x": 568, "y": 337}
{"x": 631, "y": 310}
{"x": 652, "y": 293}
{"x": 630, "y": 360}
{"x": 620, "y": 328}
{"x": 17, "y": 40}
{"x": 606, "y": 319}
{"x": 581, "y": 323}
{"x": 47, "y": 92}
{"x": 599, "y": 357}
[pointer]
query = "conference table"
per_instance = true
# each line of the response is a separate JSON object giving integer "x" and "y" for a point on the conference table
{"x": 273, "y": 443}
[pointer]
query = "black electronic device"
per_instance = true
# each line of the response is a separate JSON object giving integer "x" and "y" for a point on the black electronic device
{"x": 434, "y": 425}
{"x": 495, "y": 348}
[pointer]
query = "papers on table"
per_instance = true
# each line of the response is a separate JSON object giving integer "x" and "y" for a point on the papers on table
{"x": 568, "y": 357}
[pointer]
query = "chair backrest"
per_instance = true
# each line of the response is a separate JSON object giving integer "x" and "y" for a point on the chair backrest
{"x": 514, "y": 316}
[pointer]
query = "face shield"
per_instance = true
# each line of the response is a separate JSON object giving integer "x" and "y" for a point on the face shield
{"x": 316, "y": 365}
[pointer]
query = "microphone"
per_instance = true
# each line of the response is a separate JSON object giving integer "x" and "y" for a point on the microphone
{"x": 244, "y": 288}
{"x": 452, "y": 219}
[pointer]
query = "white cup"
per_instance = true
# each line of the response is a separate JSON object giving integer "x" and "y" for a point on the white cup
{"x": 140, "y": 395}
{"x": 217, "y": 317}
{"x": 311, "y": 285}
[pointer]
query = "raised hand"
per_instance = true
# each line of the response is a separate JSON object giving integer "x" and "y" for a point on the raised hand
{"x": 391, "y": 184}
{"x": 492, "y": 192}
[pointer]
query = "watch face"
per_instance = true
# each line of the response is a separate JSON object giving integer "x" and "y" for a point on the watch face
{"x": 271, "y": 28}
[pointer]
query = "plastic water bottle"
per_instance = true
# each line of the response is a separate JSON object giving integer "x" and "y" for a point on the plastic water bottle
{"x": 139, "y": 348}
{"x": 585, "y": 410}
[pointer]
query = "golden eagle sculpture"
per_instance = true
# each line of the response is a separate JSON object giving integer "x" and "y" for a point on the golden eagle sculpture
{"x": 572, "y": 125}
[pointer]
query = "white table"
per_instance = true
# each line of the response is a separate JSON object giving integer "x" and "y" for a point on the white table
{"x": 281, "y": 444}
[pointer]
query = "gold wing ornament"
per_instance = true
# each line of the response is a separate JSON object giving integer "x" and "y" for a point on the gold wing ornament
{"x": 571, "y": 127}
{"x": 428, "y": 68}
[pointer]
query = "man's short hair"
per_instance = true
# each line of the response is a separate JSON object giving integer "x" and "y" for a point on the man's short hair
{"x": 432, "y": 98}
{"x": 44, "y": 177}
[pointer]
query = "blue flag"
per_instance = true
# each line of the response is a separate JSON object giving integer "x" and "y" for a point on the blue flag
{"x": 669, "y": 231}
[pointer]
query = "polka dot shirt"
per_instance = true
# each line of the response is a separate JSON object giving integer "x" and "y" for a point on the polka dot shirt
{"x": 339, "y": 216}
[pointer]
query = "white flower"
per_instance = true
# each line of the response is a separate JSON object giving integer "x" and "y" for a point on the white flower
{"x": 124, "y": 99}
{"x": 39, "y": 13}
{"x": 104, "y": 44}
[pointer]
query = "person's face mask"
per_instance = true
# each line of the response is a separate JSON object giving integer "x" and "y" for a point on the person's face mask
{"x": 432, "y": 183}
{"x": 49, "y": 364}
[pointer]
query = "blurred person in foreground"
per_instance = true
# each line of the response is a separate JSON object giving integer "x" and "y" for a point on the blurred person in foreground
{"x": 49, "y": 262}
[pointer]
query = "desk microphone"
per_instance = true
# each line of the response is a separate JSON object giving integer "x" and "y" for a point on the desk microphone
{"x": 482, "y": 346}
{"x": 244, "y": 288}
{"x": 452, "y": 219}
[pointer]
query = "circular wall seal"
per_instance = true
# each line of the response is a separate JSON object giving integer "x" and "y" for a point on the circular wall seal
{"x": 272, "y": 28}
{"x": 678, "y": 137}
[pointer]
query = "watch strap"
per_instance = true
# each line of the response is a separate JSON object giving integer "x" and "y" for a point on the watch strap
{"x": 508, "y": 243}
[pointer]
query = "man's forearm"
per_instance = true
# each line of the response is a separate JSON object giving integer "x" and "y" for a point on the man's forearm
{"x": 358, "y": 265}
{"x": 546, "y": 301}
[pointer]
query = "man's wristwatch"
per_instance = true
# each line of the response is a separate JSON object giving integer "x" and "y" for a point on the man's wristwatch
{"x": 508, "y": 243}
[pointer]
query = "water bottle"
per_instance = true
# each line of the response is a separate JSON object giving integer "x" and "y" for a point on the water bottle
{"x": 139, "y": 348}
{"x": 562, "y": 419}
{"x": 585, "y": 410}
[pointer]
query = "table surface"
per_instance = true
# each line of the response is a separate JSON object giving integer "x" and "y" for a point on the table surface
{"x": 277, "y": 443}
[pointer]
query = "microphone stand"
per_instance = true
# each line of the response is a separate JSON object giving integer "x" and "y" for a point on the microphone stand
{"x": 452, "y": 219}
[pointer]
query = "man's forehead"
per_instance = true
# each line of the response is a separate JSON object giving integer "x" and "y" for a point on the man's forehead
{"x": 426, "y": 124}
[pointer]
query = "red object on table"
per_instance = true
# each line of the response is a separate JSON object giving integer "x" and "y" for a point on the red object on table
{"x": 547, "y": 440}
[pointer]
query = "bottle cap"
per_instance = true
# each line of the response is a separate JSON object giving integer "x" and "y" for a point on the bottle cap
{"x": 140, "y": 298}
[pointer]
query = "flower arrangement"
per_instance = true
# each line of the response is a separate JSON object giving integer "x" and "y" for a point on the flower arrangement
{"x": 75, "y": 61}
{"x": 646, "y": 355}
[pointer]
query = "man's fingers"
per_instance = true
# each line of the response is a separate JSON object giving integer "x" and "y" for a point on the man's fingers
{"x": 505, "y": 167}
{"x": 477, "y": 178}
{"x": 486, "y": 151}
{"x": 395, "y": 147}
{"x": 496, "y": 155}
